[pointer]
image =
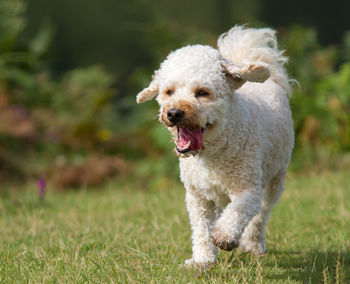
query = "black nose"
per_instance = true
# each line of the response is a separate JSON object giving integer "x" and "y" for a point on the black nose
{"x": 175, "y": 115}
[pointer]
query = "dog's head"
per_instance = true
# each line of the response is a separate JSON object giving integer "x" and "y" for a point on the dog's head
{"x": 193, "y": 86}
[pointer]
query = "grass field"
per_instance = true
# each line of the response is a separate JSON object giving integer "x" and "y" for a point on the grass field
{"x": 129, "y": 233}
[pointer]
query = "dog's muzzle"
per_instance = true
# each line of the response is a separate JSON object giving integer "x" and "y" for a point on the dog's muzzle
{"x": 175, "y": 115}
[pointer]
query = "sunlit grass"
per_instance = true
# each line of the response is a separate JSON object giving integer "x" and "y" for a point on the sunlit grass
{"x": 126, "y": 232}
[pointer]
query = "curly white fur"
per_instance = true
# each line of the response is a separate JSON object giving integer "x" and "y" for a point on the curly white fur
{"x": 238, "y": 175}
{"x": 252, "y": 45}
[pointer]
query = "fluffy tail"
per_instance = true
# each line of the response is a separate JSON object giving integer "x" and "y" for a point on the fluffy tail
{"x": 246, "y": 45}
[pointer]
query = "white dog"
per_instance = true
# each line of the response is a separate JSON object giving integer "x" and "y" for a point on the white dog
{"x": 228, "y": 112}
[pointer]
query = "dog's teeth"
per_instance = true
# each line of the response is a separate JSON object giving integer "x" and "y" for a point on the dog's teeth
{"x": 186, "y": 147}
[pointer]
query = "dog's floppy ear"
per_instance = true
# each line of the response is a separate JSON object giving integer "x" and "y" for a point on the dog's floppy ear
{"x": 150, "y": 92}
{"x": 256, "y": 72}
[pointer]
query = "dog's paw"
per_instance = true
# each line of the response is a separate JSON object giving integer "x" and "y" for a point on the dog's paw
{"x": 224, "y": 240}
{"x": 191, "y": 263}
{"x": 257, "y": 248}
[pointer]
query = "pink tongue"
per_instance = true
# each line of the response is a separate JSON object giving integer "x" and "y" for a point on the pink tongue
{"x": 186, "y": 134}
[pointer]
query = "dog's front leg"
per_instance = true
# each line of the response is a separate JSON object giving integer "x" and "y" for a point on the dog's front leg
{"x": 236, "y": 216}
{"x": 202, "y": 215}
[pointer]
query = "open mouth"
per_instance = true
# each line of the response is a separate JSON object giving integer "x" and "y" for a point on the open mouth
{"x": 189, "y": 139}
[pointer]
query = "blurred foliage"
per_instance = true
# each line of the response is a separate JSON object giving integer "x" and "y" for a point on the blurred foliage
{"x": 40, "y": 116}
{"x": 50, "y": 118}
{"x": 321, "y": 105}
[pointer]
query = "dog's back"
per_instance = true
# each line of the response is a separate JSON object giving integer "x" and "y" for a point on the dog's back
{"x": 270, "y": 123}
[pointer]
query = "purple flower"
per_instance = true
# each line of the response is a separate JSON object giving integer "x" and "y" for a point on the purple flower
{"x": 41, "y": 188}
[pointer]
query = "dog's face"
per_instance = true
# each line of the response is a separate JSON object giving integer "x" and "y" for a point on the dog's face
{"x": 192, "y": 112}
{"x": 194, "y": 85}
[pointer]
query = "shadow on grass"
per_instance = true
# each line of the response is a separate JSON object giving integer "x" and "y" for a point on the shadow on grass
{"x": 312, "y": 266}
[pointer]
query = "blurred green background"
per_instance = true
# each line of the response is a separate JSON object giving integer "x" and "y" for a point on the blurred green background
{"x": 70, "y": 71}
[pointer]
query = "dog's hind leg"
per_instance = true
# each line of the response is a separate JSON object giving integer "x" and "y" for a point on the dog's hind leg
{"x": 203, "y": 214}
{"x": 253, "y": 238}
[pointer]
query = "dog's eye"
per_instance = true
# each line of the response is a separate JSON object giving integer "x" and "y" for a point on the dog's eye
{"x": 201, "y": 93}
{"x": 169, "y": 92}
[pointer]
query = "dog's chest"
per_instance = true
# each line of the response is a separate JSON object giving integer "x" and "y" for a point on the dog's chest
{"x": 205, "y": 180}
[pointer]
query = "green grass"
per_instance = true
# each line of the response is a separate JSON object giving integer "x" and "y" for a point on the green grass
{"x": 128, "y": 233}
